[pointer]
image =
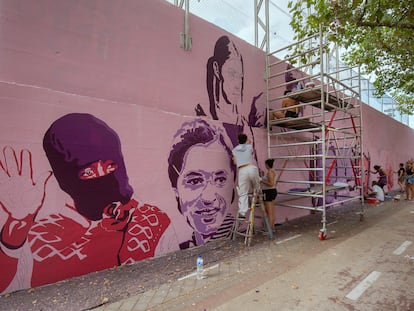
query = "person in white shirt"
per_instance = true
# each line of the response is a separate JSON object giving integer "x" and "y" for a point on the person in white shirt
{"x": 376, "y": 192}
{"x": 248, "y": 173}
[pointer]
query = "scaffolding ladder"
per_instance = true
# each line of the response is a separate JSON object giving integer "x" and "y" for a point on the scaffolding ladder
{"x": 318, "y": 154}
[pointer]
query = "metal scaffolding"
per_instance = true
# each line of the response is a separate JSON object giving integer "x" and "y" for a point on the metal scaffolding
{"x": 318, "y": 151}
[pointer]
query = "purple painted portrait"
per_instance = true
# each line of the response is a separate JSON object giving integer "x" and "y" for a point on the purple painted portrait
{"x": 202, "y": 175}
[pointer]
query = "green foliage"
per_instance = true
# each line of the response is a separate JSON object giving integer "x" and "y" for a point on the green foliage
{"x": 375, "y": 34}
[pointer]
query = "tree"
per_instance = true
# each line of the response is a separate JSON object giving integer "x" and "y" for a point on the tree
{"x": 375, "y": 34}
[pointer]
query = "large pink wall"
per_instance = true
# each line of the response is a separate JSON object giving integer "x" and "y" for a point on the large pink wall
{"x": 386, "y": 142}
{"x": 121, "y": 62}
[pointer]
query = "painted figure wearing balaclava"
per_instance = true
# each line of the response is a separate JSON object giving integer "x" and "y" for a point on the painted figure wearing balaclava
{"x": 77, "y": 141}
{"x": 86, "y": 159}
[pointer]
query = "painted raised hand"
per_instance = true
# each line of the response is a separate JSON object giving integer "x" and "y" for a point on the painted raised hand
{"x": 20, "y": 195}
{"x": 256, "y": 118}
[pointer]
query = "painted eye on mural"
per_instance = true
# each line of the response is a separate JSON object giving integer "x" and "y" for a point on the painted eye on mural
{"x": 87, "y": 173}
{"x": 195, "y": 181}
{"x": 97, "y": 169}
{"x": 220, "y": 180}
{"x": 201, "y": 179}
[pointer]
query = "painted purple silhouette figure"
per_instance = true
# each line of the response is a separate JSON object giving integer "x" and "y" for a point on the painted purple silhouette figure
{"x": 225, "y": 86}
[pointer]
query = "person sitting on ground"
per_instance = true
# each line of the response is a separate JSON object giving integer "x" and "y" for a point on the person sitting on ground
{"x": 287, "y": 113}
{"x": 382, "y": 176}
{"x": 376, "y": 192}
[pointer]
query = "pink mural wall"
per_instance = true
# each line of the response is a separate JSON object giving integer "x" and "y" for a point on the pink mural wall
{"x": 111, "y": 151}
{"x": 386, "y": 143}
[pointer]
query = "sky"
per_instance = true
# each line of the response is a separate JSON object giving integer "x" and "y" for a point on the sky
{"x": 237, "y": 17}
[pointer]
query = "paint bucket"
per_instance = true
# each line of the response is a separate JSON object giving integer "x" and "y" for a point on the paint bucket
{"x": 372, "y": 201}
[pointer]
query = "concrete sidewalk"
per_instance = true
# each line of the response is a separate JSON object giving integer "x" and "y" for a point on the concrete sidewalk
{"x": 297, "y": 271}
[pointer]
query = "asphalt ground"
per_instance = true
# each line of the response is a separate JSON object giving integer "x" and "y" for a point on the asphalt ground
{"x": 169, "y": 283}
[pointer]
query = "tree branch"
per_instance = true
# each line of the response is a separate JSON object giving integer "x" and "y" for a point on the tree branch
{"x": 384, "y": 24}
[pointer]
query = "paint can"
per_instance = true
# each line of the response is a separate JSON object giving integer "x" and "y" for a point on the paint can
{"x": 372, "y": 201}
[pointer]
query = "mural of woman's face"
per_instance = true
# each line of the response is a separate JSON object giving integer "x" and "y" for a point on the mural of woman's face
{"x": 205, "y": 187}
{"x": 232, "y": 75}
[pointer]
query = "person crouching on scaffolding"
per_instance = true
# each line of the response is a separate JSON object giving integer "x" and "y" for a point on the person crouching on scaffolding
{"x": 286, "y": 113}
{"x": 248, "y": 173}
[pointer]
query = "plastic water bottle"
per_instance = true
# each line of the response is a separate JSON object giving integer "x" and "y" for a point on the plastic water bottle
{"x": 200, "y": 267}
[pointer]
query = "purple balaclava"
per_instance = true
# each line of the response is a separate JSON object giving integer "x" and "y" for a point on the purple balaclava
{"x": 75, "y": 141}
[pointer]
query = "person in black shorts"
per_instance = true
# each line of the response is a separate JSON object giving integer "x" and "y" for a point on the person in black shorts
{"x": 267, "y": 183}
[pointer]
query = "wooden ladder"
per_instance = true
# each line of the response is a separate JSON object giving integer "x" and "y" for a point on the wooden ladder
{"x": 248, "y": 231}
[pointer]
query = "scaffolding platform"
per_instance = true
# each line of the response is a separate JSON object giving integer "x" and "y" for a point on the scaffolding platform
{"x": 313, "y": 96}
{"x": 294, "y": 123}
{"x": 329, "y": 188}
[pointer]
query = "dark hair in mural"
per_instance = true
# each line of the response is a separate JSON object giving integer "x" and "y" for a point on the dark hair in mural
{"x": 73, "y": 142}
{"x": 214, "y": 73}
{"x": 197, "y": 132}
